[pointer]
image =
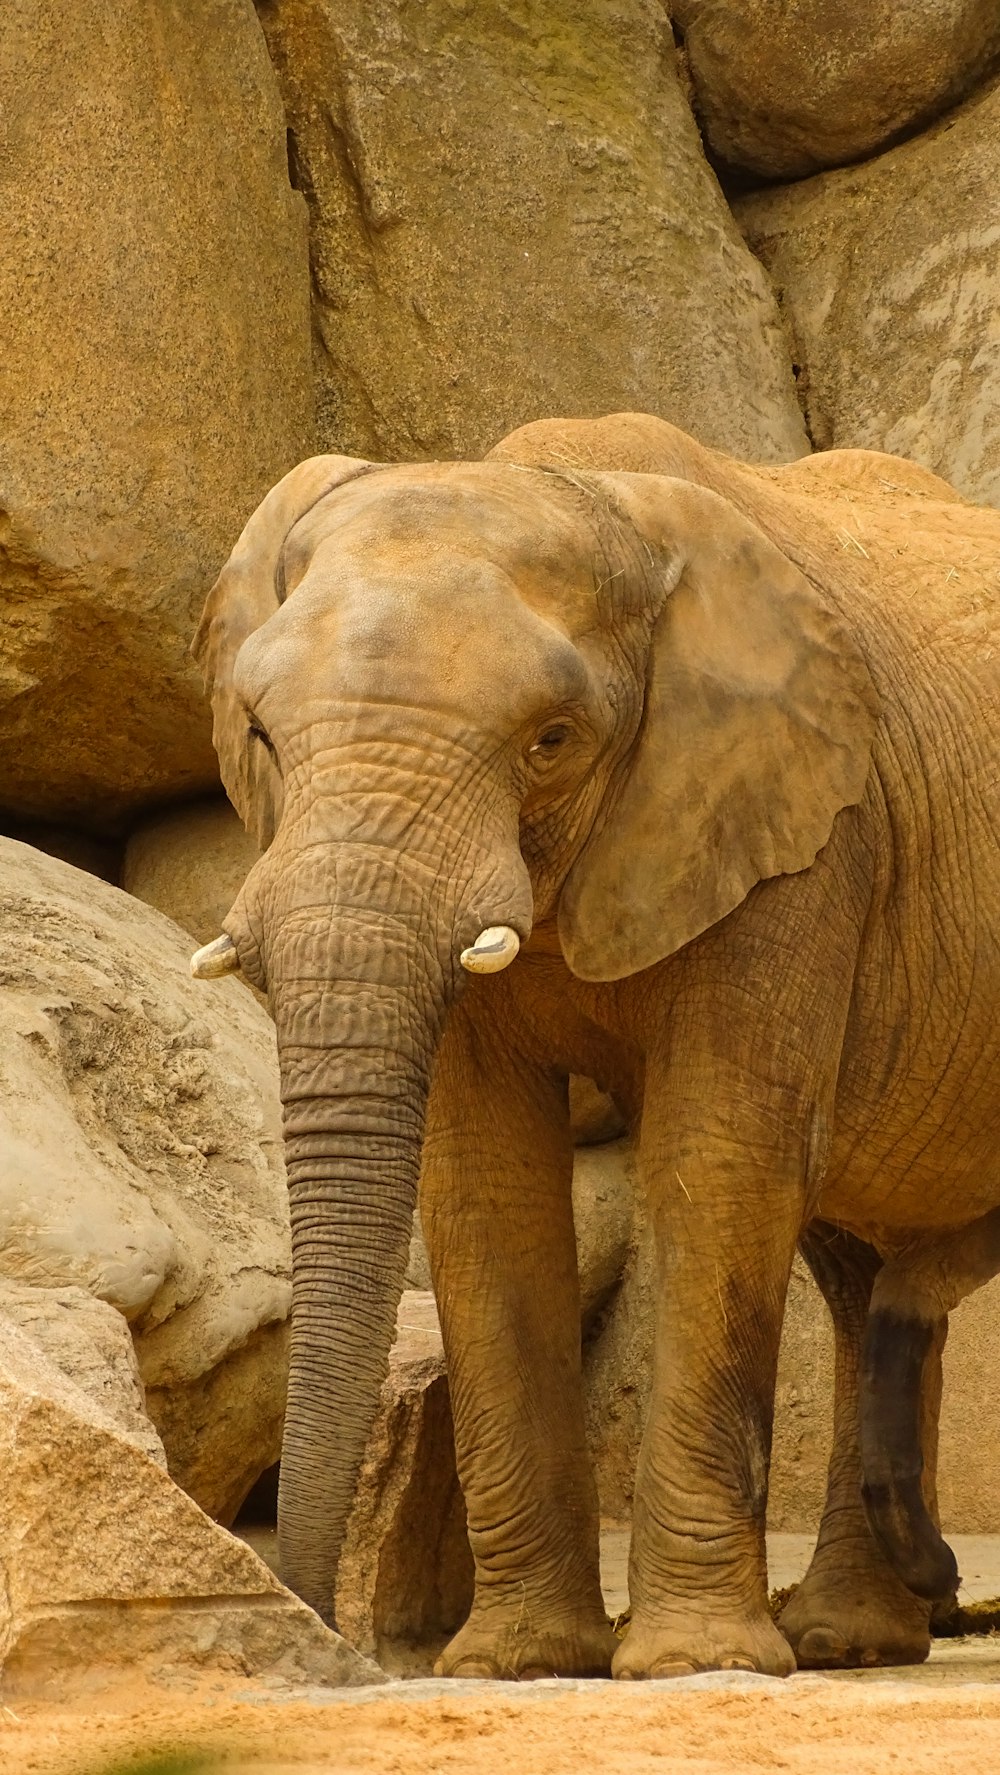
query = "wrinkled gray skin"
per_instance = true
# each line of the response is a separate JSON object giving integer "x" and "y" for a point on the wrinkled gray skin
{"x": 632, "y": 718}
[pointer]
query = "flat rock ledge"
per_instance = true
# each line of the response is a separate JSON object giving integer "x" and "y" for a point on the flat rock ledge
{"x": 108, "y": 1569}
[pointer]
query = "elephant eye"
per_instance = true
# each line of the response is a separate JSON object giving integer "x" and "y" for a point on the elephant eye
{"x": 550, "y": 740}
{"x": 259, "y": 733}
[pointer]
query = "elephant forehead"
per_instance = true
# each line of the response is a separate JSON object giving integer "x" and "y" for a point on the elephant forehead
{"x": 514, "y": 517}
{"x": 435, "y": 627}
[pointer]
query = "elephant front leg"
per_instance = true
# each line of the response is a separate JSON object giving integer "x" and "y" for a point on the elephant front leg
{"x": 496, "y": 1207}
{"x": 851, "y": 1609}
{"x": 726, "y": 1193}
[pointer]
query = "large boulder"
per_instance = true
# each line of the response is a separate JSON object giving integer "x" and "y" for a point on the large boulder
{"x": 154, "y": 379}
{"x": 190, "y": 863}
{"x": 107, "y": 1569}
{"x": 405, "y": 1577}
{"x": 89, "y": 1343}
{"x": 887, "y": 274}
{"x": 782, "y": 91}
{"x": 141, "y": 1159}
{"x": 512, "y": 218}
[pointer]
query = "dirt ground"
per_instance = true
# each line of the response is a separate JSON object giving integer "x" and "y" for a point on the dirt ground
{"x": 940, "y": 1718}
{"x": 807, "y": 1726}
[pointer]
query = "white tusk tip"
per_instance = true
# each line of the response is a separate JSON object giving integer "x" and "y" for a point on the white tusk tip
{"x": 215, "y": 959}
{"x": 493, "y": 950}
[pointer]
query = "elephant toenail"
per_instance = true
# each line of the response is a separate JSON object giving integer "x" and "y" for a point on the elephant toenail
{"x": 822, "y": 1645}
{"x": 472, "y": 1667}
{"x": 738, "y": 1663}
{"x": 669, "y": 1667}
{"x": 628, "y": 1676}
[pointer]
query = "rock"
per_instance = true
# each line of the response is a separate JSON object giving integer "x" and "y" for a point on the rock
{"x": 887, "y": 275}
{"x": 405, "y": 1576}
{"x": 803, "y": 1409}
{"x": 969, "y": 1455}
{"x": 594, "y": 1116}
{"x": 603, "y": 1207}
{"x": 418, "y": 1266}
{"x": 108, "y": 1570}
{"x": 190, "y": 864}
{"x": 511, "y": 220}
{"x": 617, "y": 1359}
{"x": 141, "y": 1159}
{"x": 89, "y": 1343}
{"x": 154, "y": 380}
{"x": 98, "y": 856}
{"x": 783, "y": 91}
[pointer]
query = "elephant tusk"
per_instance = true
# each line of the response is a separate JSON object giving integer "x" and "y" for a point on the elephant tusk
{"x": 216, "y": 958}
{"x": 493, "y": 950}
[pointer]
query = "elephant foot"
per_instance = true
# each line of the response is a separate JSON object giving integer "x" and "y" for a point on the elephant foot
{"x": 694, "y": 1640}
{"x": 516, "y": 1643}
{"x": 851, "y": 1612}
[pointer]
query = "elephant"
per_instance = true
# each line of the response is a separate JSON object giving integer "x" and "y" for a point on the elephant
{"x": 611, "y": 757}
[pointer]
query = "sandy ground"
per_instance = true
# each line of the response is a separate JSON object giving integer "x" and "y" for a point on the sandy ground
{"x": 806, "y": 1725}
{"x": 942, "y": 1718}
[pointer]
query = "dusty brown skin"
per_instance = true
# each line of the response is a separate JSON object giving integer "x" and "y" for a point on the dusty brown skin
{"x": 719, "y": 744}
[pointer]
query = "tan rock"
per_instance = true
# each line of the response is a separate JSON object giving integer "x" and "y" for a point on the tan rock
{"x": 603, "y": 1207}
{"x": 887, "y": 274}
{"x": 89, "y": 1343}
{"x": 513, "y": 218}
{"x": 405, "y": 1576}
{"x": 154, "y": 379}
{"x": 594, "y": 1116}
{"x": 140, "y": 1159}
{"x": 617, "y": 1360}
{"x": 98, "y": 856}
{"x": 784, "y": 91}
{"x": 108, "y": 1568}
{"x": 803, "y": 1409}
{"x": 190, "y": 864}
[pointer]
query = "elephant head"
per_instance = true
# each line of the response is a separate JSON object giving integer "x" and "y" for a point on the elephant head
{"x": 454, "y": 700}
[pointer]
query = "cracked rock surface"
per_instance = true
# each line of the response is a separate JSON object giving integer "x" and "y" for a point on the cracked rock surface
{"x": 134, "y": 1577}
{"x": 141, "y": 1161}
{"x": 511, "y": 216}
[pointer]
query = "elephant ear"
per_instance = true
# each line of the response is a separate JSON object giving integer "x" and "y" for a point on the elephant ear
{"x": 249, "y": 590}
{"x": 757, "y": 729}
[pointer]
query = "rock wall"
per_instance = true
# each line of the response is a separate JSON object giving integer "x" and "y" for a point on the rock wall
{"x": 511, "y": 216}
{"x": 887, "y": 275}
{"x": 782, "y": 91}
{"x": 190, "y": 864}
{"x": 618, "y": 1368}
{"x": 133, "y": 1577}
{"x": 154, "y": 380}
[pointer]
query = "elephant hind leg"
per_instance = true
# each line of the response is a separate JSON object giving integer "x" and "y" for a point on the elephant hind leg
{"x": 912, "y": 1296}
{"x": 851, "y": 1609}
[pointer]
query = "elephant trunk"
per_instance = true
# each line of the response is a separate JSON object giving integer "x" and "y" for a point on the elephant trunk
{"x": 363, "y": 932}
{"x": 356, "y": 1056}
